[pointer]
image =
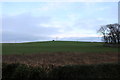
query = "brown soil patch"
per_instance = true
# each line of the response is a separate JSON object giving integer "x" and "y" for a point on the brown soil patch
{"x": 59, "y": 58}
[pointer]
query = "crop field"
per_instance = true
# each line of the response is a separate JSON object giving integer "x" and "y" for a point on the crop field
{"x": 55, "y": 46}
{"x": 59, "y": 60}
{"x": 59, "y": 53}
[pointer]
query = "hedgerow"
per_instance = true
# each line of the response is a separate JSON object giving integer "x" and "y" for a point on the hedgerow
{"x": 68, "y": 72}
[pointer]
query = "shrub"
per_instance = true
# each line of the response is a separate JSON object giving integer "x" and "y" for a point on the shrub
{"x": 38, "y": 73}
{"x": 8, "y": 70}
{"x": 72, "y": 73}
{"x": 68, "y": 72}
{"x": 22, "y": 72}
{"x": 107, "y": 71}
{"x": 83, "y": 72}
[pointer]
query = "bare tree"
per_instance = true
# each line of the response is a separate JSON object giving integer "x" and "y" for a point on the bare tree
{"x": 111, "y": 33}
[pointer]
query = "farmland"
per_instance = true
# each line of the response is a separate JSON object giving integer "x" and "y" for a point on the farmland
{"x": 55, "y": 46}
{"x": 59, "y": 60}
{"x": 58, "y": 53}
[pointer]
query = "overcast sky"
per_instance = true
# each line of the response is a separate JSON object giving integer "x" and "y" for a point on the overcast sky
{"x": 40, "y": 21}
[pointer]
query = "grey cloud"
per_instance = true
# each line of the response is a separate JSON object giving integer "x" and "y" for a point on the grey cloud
{"x": 26, "y": 27}
{"x": 92, "y": 24}
{"x": 90, "y": 39}
{"x": 11, "y": 37}
{"x": 23, "y": 21}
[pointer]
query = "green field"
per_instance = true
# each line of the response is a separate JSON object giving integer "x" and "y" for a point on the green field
{"x": 59, "y": 60}
{"x": 55, "y": 46}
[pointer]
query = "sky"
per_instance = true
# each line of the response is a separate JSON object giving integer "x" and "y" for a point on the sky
{"x": 44, "y": 21}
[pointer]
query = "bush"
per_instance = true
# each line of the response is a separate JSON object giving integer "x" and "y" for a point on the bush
{"x": 8, "y": 70}
{"x": 107, "y": 71}
{"x": 73, "y": 73}
{"x": 83, "y": 72}
{"x": 38, "y": 73}
{"x": 69, "y": 72}
{"x": 22, "y": 72}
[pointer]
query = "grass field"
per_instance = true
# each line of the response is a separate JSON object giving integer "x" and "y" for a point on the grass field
{"x": 59, "y": 60}
{"x": 58, "y": 53}
{"x": 55, "y": 46}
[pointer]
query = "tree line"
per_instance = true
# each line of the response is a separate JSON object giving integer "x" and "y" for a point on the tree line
{"x": 111, "y": 33}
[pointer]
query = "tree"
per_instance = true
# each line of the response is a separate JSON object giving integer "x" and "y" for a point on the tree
{"x": 111, "y": 33}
